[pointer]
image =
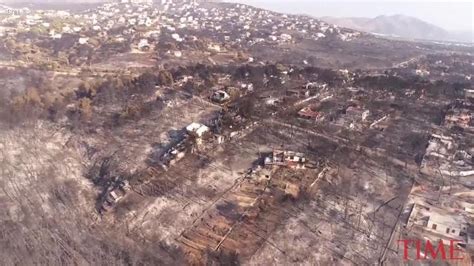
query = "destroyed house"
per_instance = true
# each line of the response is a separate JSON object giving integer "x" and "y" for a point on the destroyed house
{"x": 353, "y": 110}
{"x": 286, "y": 158}
{"x": 315, "y": 86}
{"x": 469, "y": 93}
{"x": 440, "y": 146}
{"x": 308, "y": 113}
{"x": 293, "y": 92}
{"x": 176, "y": 153}
{"x": 220, "y": 96}
{"x": 461, "y": 118}
{"x": 298, "y": 92}
{"x": 114, "y": 195}
{"x": 196, "y": 129}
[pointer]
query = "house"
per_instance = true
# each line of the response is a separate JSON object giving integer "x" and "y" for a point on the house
{"x": 422, "y": 72}
{"x": 460, "y": 118}
{"x": 214, "y": 47}
{"x": 56, "y": 35}
{"x": 176, "y": 153}
{"x": 316, "y": 86}
{"x": 440, "y": 223}
{"x": 83, "y": 40}
{"x": 285, "y": 37}
{"x": 144, "y": 45}
{"x": 469, "y": 93}
{"x": 220, "y": 96}
{"x": 439, "y": 146}
{"x": 381, "y": 124}
{"x": 197, "y": 129}
{"x": 286, "y": 158}
{"x": 293, "y": 92}
{"x": 308, "y": 113}
{"x": 176, "y": 37}
{"x": 114, "y": 195}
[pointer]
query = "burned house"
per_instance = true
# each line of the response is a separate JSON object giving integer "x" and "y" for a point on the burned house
{"x": 309, "y": 113}
{"x": 195, "y": 134}
{"x": 143, "y": 45}
{"x": 458, "y": 116}
{"x": 198, "y": 132}
{"x": 114, "y": 194}
{"x": 229, "y": 124}
{"x": 381, "y": 124}
{"x": 220, "y": 96}
{"x": 445, "y": 157}
{"x": 175, "y": 153}
{"x": 353, "y": 116}
{"x": 316, "y": 86}
{"x": 439, "y": 147}
{"x": 297, "y": 93}
{"x": 356, "y": 112}
{"x": 469, "y": 93}
{"x": 287, "y": 159}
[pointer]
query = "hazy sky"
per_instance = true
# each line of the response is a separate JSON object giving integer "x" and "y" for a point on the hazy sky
{"x": 450, "y": 15}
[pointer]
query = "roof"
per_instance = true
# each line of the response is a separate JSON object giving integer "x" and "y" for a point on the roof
{"x": 308, "y": 112}
{"x": 197, "y": 128}
{"x": 441, "y": 216}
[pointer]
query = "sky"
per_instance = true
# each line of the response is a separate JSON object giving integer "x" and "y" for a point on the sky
{"x": 451, "y": 15}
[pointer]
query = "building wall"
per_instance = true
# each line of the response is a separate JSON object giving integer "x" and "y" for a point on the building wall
{"x": 441, "y": 228}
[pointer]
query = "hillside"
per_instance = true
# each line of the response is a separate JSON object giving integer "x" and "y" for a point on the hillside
{"x": 399, "y": 26}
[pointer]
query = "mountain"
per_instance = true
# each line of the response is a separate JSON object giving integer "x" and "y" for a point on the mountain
{"x": 400, "y": 26}
{"x": 20, "y": 2}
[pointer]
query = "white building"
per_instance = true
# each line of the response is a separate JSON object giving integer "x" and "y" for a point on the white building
{"x": 197, "y": 129}
{"x": 83, "y": 40}
{"x": 442, "y": 223}
{"x": 469, "y": 93}
{"x": 143, "y": 44}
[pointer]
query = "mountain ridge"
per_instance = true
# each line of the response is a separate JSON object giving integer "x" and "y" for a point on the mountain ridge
{"x": 399, "y": 26}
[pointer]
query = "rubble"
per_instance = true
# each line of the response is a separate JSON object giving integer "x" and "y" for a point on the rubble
{"x": 286, "y": 158}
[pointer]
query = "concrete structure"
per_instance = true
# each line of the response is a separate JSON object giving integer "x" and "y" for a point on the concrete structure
{"x": 308, "y": 113}
{"x": 440, "y": 223}
{"x": 197, "y": 129}
{"x": 469, "y": 93}
{"x": 286, "y": 158}
{"x": 144, "y": 45}
{"x": 220, "y": 96}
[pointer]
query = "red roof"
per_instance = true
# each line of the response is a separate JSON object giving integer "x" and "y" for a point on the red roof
{"x": 308, "y": 112}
